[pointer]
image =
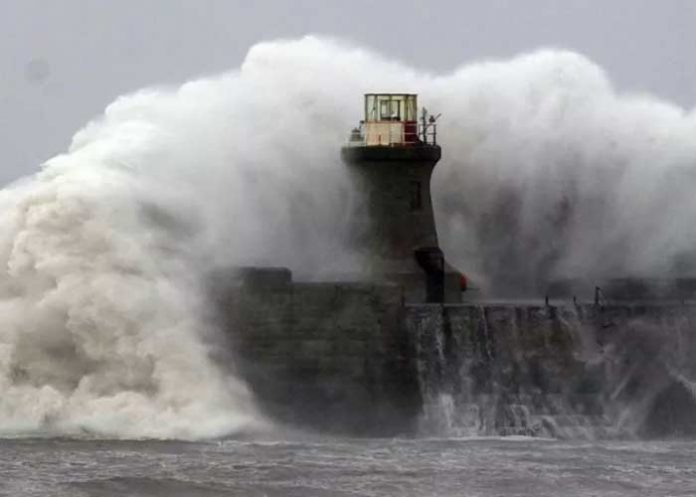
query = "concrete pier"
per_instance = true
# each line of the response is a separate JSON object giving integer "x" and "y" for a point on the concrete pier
{"x": 352, "y": 358}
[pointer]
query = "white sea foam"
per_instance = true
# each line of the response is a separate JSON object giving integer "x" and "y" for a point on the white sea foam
{"x": 547, "y": 171}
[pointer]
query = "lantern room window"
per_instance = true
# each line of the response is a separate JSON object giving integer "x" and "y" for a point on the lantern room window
{"x": 390, "y": 119}
{"x": 390, "y": 107}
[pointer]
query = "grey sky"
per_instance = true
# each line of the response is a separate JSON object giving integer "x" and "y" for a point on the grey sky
{"x": 63, "y": 61}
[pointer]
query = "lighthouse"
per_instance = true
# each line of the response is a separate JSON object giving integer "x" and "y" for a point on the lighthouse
{"x": 391, "y": 156}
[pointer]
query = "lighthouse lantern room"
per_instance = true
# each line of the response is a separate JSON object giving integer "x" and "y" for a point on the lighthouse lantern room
{"x": 391, "y": 119}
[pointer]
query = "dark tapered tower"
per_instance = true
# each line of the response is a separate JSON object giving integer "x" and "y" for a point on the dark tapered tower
{"x": 392, "y": 156}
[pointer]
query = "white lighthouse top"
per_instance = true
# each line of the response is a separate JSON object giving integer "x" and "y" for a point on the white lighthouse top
{"x": 391, "y": 120}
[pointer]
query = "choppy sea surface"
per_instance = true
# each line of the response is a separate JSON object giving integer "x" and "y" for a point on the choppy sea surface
{"x": 431, "y": 467}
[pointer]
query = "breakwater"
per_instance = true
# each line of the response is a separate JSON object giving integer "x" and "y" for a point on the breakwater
{"x": 352, "y": 358}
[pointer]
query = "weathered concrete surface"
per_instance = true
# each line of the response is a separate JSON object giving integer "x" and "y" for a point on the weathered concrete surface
{"x": 351, "y": 358}
{"x": 328, "y": 357}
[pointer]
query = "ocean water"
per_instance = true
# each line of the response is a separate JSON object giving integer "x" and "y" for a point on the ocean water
{"x": 330, "y": 467}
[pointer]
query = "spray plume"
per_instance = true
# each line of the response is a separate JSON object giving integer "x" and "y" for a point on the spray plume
{"x": 547, "y": 172}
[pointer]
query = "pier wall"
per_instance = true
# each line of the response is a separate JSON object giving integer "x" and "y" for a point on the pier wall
{"x": 351, "y": 358}
{"x": 327, "y": 357}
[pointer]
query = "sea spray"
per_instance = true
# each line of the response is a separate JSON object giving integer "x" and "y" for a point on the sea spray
{"x": 99, "y": 325}
{"x": 549, "y": 172}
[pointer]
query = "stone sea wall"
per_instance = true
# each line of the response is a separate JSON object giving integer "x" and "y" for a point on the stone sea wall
{"x": 327, "y": 357}
{"x": 351, "y": 358}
